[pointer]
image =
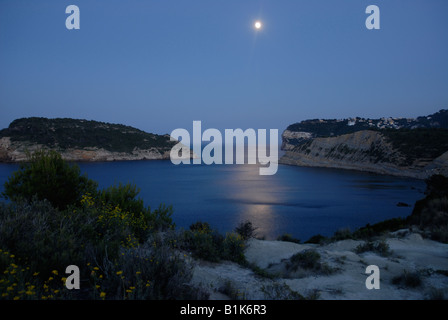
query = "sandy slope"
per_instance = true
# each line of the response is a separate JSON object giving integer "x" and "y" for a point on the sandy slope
{"x": 410, "y": 253}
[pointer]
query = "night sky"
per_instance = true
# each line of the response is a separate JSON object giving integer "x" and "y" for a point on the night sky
{"x": 159, "y": 65}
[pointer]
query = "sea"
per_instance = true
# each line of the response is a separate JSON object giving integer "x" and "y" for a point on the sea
{"x": 299, "y": 201}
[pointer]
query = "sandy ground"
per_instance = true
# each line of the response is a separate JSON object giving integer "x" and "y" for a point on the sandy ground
{"x": 409, "y": 254}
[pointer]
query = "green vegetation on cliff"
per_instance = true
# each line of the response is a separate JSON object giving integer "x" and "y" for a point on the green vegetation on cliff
{"x": 65, "y": 133}
{"x": 421, "y": 143}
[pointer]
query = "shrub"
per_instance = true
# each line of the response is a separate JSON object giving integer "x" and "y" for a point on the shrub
{"x": 289, "y": 238}
{"x": 44, "y": 241}
{"x": 153, "y": 270}
{"x": 277, "y": 291}
{"x": 317, "y": 239}
{"x": 110, "y": 231}
{"x": 246, "y": 230}
{"x": 436, "y": 294}
{"x": 19, "y": 282}
{"x": 233, "y": 248}
{"x": 308, "y": 259}
{"x": 203, "y": 242}
{"x": 431, "y": 213}
{"x": 124, "y": 196}
{"x": 228, "y": 288}
{"x": 208, "y": 244}
{"x": 48, "y": 176}
{"x": 408, "y": 279}
{"x": 201, "y": 227}
{"x": 440, "y": 234}
{"x": 160, "y": 218}
{"x": 433, "y": 217}
{"x": 377, "y": 229}
{"x": 115, "y": 227}
{"x": 342, "y": 234}
{"x": 43, "y": 236}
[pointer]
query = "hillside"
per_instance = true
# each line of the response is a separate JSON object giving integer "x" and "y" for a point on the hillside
{"x": 398, "y": 146}
{"x": 336, "y": 127}
{"x": 81, "y": 140}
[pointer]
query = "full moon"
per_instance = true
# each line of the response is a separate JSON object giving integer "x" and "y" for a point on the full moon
{"x": 258, "y": 25}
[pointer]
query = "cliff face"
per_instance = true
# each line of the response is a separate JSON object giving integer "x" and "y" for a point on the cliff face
{"x": 17, "y": 152}
{"x": 81, "y": 140}
{"x": 365, "y": 150}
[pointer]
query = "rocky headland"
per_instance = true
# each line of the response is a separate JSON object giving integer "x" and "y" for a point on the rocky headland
{"x": 415, "y": 148}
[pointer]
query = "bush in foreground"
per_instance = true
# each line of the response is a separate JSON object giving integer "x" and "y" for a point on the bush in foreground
{"x": 381, "y": 247}
{"x": 109, "y": 234}
{"x": 38, "y": 242}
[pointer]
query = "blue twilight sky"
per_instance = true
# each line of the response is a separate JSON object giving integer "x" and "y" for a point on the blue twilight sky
{"x": 158, "y": 65}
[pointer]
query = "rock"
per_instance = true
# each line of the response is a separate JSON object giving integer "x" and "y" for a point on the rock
{"x": 411, "y": 254}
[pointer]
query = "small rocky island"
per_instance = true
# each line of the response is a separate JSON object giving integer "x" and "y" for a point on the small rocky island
{"x": 415, "y": 148}
{"x": 81, "y": 140}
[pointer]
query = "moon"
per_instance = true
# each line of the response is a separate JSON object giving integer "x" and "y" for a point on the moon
{"x": 258, "y": 25}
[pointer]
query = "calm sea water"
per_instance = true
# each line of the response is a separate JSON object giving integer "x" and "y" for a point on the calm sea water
{"x": 300, "y": 201}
